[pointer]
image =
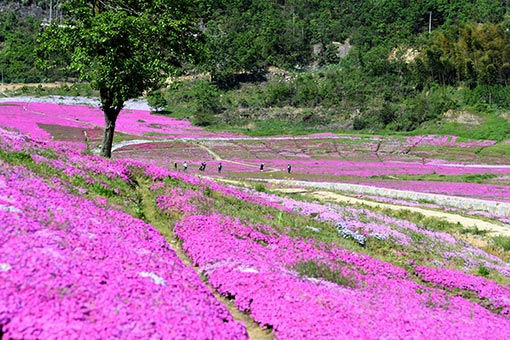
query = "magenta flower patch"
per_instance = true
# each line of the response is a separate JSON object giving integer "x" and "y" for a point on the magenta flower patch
{"x": 71, "y": 269}
{"x": 75, "y": 268}
{"x": 255, "y": 269}
{"x": 26, "y": 117}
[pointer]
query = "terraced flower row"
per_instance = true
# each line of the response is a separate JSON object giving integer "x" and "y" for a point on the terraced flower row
{"x": 493, "y": 192}
{"x": 370, "y": 169}
{"x": 71, "y": 268}
{"x": 442, "y": 248}
{"x": 370, "y": 300}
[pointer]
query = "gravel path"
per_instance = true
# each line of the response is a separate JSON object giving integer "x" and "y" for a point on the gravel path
{"x": 464, "y": 203}
{"x": 494, "y": 229}
{"x": 325, "y": 195}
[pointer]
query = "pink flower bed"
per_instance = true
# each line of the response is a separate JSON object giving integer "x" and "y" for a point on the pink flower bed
{"x": 497, "y": 295}
{"x": 177, "y": 199}
{"x": 433, "y": 140}
{"x": 369, "y": 169}
{"x": 18, "y": 116}
{"x": 486, "y": 191}
{"x": 71, "y": 161}
{"x": 70, "y": 269}
{"x": 26, "y": 116}
{"x": 256, "y": 270}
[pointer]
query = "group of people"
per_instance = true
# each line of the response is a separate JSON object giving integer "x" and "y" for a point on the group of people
{"x": 203, "y": 165}
{"x": 289, "y": 167}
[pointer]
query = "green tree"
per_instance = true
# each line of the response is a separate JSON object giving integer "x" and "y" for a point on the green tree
{"x": 157, "y": 101}
{"x": 207, "y": 103}
{"x": 123, "y": 48}
{"x": 473, "y": 53}
{"x": 17, "y": 44}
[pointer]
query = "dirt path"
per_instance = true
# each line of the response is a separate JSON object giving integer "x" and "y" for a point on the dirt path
{"x": 214, "y": 155}
{"x": 493, "y": 229}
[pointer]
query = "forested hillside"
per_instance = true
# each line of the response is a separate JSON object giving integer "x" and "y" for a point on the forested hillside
{"x": 366, "y": 65}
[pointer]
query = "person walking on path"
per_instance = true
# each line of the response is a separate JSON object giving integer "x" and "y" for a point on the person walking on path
{"x": 185, "y": 166}
{"x": 289, "y": 168}
{"x": 261, "y": 166}
{"x": 175, "y": 166}
{"x": 219, "y": 168}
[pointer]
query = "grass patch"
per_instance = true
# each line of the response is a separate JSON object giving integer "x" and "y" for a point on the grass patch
{"x": 260, "y": 187}
{"x": 318, "y": 270}
{"x": 502, "y": 242}
{"x": 16, "y": 157}
{"x": 422, "y": 221}
{"x": 483, "y": 271}
{"x": 474, "y": 231}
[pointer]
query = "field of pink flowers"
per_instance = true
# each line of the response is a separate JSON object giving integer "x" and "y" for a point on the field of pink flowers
{"x": 75, "y": 264}
{"x": 28, "y": 118}
{"x": 444, "y": 165}
{"x": 71, "y": 268}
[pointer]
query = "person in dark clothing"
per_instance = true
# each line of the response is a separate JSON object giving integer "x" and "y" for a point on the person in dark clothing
{"x": 175, "y": 166}
{"x": 289, "y": 168}
{"x": 219, "y": 168}
{"x": 261, "y": 166}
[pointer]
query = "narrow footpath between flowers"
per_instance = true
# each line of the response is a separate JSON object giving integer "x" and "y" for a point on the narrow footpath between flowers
{"x": 255, "y": 331}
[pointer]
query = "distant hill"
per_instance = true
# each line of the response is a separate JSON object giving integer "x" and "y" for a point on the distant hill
{"x": 344, "y": 65}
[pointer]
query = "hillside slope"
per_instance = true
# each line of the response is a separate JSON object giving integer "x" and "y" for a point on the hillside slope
{"x": 281, "y": 260}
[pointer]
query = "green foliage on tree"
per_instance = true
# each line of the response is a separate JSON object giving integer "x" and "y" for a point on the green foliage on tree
{"x": 123, "y": 48}
{"x": 249, "y": 36}
{"x": 17, "y": 45}
{"x": 207, "y": 103}
{"x": 477, "y": 54}
{"x": 157, "y": 101}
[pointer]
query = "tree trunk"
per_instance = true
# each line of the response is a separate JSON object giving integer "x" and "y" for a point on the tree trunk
{"x": 110, "y": 117}
{"x": 111, "y": 107}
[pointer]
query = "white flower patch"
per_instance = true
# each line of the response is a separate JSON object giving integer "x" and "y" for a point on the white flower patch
{"x": 157, "y": 280}
{"x": 9, "y": 208}
{"x": 5, "y": 267}
{"x": 243, "y": 269}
